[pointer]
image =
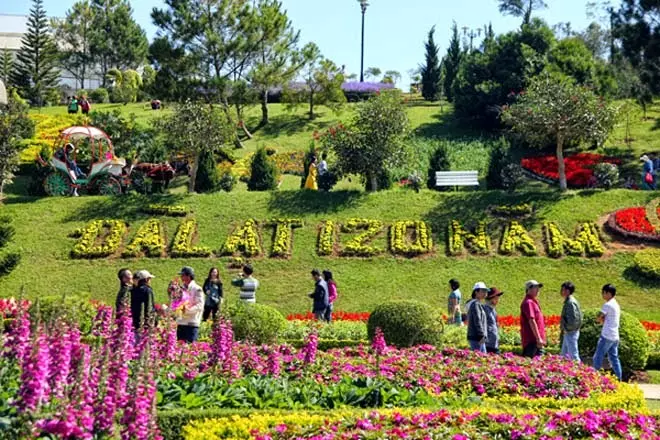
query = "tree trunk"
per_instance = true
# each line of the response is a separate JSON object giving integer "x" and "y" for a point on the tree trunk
{"x": 193, "y": 174}
{"x": 264, "y": 110}
{"x": 311, "y": 106}
{"x": 225, "y": 108}
{"x": 562, "y": 167}
{"x": 374, "y": 182}
{"x": 245, "y": 130}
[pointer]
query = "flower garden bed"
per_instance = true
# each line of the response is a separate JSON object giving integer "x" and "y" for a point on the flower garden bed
{"x": 633, "y": 223}
{"x": 579, "y": 168}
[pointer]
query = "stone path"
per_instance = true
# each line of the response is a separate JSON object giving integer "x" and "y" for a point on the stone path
{"x": 651, "y": 392}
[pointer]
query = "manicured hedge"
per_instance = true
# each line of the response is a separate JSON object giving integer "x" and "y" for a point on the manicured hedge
{"x": 647, "y": 262}
{"x": 406, "y": 323}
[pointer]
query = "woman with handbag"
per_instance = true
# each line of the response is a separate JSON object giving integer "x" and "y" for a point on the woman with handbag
{"x": 648, "y": 178}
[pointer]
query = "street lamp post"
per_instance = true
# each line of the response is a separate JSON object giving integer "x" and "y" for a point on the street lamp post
{"x": 363, "y": 6}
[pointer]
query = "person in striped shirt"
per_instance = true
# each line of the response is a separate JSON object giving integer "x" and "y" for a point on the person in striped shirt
{"x": 248, "y": 285}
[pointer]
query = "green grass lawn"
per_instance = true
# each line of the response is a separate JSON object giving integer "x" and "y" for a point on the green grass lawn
{"x": 43, "y": 225}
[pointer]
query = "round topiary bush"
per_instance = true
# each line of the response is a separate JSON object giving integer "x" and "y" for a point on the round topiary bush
{"x": 633, "y": 345}
{"x": 256, "y": 323}
{"x": 647, "y": 263}
{"x": 406, "y": 323}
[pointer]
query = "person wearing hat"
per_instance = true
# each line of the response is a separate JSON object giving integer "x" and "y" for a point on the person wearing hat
{"x": 570, "y": 323}
{"x": 142, "y": 300}
{"x": 532, "y": 323}
{"x": 476, "y": 317}
{"x": 188, "y": 324}
{"x": 248, "y": 284}
{"x": 493, "y": 331}
{"x": 648, "y": 178}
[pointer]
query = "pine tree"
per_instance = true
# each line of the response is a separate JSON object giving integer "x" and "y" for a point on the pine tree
{"x": 439, "y": 162}
{"x": 207, "y": 173}
{"x": 6, "y": 65}
{"x": 431, "y": 70}
{"x": 263, "y": 173}
{"x": 452, "y": 62}
{"x": 36, "y": 69}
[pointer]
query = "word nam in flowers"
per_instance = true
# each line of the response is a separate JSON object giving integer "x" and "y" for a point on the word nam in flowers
{"x": 516, "y": 239}
{"x": 182, "y": 244}
{"x": 244, "y": 239}
{"x": 359, "y": 245}
{"x": 400, "y": 242}
{"x": 149, "y": 240}
{"x": 458, "y": 238}
{"x": 283, "y": 235}
{"x": 108, "y": 234}
{"x": 587, "y": 241}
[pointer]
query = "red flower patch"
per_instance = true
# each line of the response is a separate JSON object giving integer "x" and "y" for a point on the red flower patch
{"x": 634, "y": 220}
{"x": 579, "y": 167}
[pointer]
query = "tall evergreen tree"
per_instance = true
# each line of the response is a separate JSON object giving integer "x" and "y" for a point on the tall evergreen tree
{"x": 521, "y": 8}
{"x": 6, "y": 66}
{"x": 431, "y": 70}
{"x": 452, "y": 62}
{"x": 117, "y": 41}
{"x": 75, "y": 32}
{"x": 35, "y": 69}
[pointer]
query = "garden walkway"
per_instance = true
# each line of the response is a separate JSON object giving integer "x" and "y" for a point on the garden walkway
{"x": 651, "y": 392}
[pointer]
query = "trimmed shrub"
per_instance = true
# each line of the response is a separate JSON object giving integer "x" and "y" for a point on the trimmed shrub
{"x": 439, "y": 162}
{"x": 499, "y": 158}
{"x": 9, "y": 262}
{"x": 227, "y": 181}
{"x": 99, "y": 96}
{"x": 256, "y": 323}
{"x": 606, "y": 175}
{"x": 406, "y": 323}
{"x": 634, "y": 344}
{"x": 647, "y": 263}
{"x": 207, "y": 174}
{"x": 385, "y": 179}
{"x": 263, "y": 173}
{"x": 73, "y": 309}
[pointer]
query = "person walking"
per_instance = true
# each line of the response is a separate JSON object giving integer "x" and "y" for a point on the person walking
{"x": 213, "y": 291}
{"x": 532, "y": 323}
{"x": 85, "y": 106}
{"x": 648, "y": 176}
{"x": 248, "y": 284}
{"x": 125, "y": 285}
{"x": 570, "y": 323}
{"x": 608, "y": 344}
{"x": 332, "y": 294}
{"x": 73, "y": 106}
{"x": 319, "y": 296}
{"x": 142, "y": 300}
{"x": 311, "y": 182}
{"x": 454, "y": 303}
{"x": 476, "y": 316}
{"x": 493, "y": 330}
{"x": 191, "y": 317}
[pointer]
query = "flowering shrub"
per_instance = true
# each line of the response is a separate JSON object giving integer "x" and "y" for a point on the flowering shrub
{"x": 579, "y": 167}
{"x": 244, "y": 239}
{"x": 149, "y": 239}
{"x": 87, "y": 246}
{"x": 515, "y": 238}
{"x": 427, "y": 424}
{"x": 283, "y": 235}
{"x": 326, "y": 244}
{"x": 173, "y": 210}
{"x": 182, "y": 244}
{"x": 47, "y": 131}
{"x": 587, "y": 241}
{"x": 359, "y": 245}
{"x": 512, "y": 210}
{"x": 458, "y": 238}
{"x": 400, "y": 244}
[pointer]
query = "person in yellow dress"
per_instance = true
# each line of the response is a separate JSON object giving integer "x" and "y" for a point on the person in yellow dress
{"x": 311, "y": 183}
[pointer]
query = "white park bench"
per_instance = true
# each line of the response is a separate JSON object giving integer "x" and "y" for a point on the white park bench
{"x": 456, "y": 178}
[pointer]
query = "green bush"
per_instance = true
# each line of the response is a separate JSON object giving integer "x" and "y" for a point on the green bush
{"x": 385, "y": 179}
{"x": 6, "y": 234}
{"x": 207, "y": 179}
{"x": 647, "y": 262}
{"x": 227, "y": 182}
{"x": 634, "y": 343}
{"x": 263, "y": 172}
{"x": 99, "y": 96}
{"x": 406, "y": 323}
{"x": 499, "y": 158}
{"x": 256, "y": 323}
{"x": 439, "y": 162}
{"x": 74, "y": 309}
{"x": 339, "y": 330}
{"x": 171, "y": 423}
{"x": 9, "y": 262}
{"x": 512, "y": 177}
{"x": 606, "y": 175}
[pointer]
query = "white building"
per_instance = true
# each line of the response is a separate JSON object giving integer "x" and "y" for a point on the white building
{"x": 12, "y": 29}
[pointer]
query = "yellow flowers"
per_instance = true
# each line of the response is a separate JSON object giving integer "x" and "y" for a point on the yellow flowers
{"x": 283, "y": 235}
{"x": 516, "y": 238}
{"x": 358, "y": 245}
{"x": 586, "y": 241}
{"x": 458, "y": 238}
{"x": 422, "y": 243}
{"x": 172, "y": 211}
{"x": 182, "y": 243}
{"x": 149, "y": 239}
{"x": 87, "y": 246}
{"x": 245, "y": 239}
{"x": 326, "y": 244}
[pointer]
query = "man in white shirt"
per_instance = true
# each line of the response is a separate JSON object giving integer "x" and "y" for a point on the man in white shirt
{"x": 188, "y": 324}
{"x": 608, "y": 343}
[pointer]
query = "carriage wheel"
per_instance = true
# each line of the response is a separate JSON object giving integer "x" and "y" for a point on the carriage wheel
{"x": 139, "y": 182}
{"x": 56, "y": 184}
{"x": 109, "y": 187}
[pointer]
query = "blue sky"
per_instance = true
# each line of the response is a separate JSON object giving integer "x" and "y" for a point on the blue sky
{"x": 395, "y": 30}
